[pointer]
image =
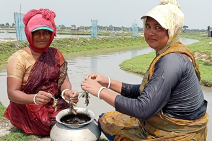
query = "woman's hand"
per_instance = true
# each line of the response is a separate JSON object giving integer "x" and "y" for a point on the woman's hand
{"x": 93, "y": 87}
{"x": 71, "y": 94}
{"x": 42, "y": 98}
{"x": 90, "y": 85}
{"x": 102, "y": 80}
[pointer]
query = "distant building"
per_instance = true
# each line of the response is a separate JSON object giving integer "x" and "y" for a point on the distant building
{"x": 209, "y": 31}
{"x": 74, "y": 29}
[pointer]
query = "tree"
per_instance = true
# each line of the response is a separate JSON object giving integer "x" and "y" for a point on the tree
{"x": 7, "y": 25}
{"x": 2, "y": 25}
{"x": 62, "y": 26}
{"x": 110, "y": 28}
{"x": 125, "y": 29}
{"x": 13, "y": 24}
{"x": 184, "y": 28}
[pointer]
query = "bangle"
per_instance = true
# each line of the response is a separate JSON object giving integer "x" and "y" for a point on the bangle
{"x": 108, "y": 83}
{"x": 34, "y": 99}
{"x": 100, "y": 91}
{"x": 62, "y": 94}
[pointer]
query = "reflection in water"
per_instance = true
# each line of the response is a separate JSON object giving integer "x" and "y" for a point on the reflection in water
{"x": 134, "y": 53}
{"x": 93, "y": 63}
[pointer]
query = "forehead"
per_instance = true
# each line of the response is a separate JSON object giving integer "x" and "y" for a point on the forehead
{"x": 152, "y": 21}
{"x": 41, "y": 30}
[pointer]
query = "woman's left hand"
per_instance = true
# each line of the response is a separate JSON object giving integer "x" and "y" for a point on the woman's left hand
{"x": 91, "y": 86}
{"x": 71, "y": 94}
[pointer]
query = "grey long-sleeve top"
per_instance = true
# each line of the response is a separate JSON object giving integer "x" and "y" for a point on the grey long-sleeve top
{"x": 174, "y": 88}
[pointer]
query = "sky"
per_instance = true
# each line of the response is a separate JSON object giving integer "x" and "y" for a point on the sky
{"x": 108, "y": 12}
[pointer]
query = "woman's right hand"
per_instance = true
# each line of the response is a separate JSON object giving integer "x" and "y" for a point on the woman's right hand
{"x": 102, "y": 80}
{"x": 42, "y": 97}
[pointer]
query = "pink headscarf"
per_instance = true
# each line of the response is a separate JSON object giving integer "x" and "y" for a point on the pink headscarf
{"x": 39, "y": 18}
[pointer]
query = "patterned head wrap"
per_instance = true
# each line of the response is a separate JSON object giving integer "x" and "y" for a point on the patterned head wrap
{"x": 39, "y": 18}
{"x": 170, "y": 17}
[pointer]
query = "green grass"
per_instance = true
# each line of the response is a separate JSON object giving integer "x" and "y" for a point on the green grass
{"x": 2, "y": 110}
{"x": 206, "y": 73}
{"x": 140, "y": 64}
{"x": 18, "y": 135}
{"x": 84, "y": 44}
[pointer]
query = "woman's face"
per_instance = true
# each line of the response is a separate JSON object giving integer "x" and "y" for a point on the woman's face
{"x": 41, "y": 38}
{"x": 155, "y": 35}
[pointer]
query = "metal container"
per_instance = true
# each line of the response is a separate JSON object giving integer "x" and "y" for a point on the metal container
{"x": 88, "y": 131}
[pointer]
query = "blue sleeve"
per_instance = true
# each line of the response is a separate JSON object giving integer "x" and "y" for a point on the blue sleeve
{"x": 156, "y": 94}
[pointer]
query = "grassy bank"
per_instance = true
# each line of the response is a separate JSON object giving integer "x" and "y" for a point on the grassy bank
{"x": 79, "y": 46}
{"x": 2, "y": 109}
{"x": 202, "y": 51}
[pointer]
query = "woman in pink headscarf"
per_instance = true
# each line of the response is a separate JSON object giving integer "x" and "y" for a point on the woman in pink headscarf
{"x": 35, "y": 75}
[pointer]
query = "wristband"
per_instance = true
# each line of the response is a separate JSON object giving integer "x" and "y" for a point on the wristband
{"x": 62, "y": 94}
{"x": 34, "y": 99}
{"x": 108, "y": 83}
{"x": 100, "y": 89}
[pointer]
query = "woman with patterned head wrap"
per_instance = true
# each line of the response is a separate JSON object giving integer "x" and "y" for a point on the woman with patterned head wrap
{"x": 36, "y": 75}
{"x": 169, "y": 103}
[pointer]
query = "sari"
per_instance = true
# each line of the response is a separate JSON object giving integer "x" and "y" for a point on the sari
{"x": 159, "y": 127}
{"x": 47, "y": 74}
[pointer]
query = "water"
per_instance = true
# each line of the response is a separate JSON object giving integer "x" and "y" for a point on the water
{"x": 6, "y": 34}
{"x": 107, "y": 65}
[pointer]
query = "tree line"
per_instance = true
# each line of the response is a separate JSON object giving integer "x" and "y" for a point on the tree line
{"x": 106, "y": 28}
{"x": 99, "y": 27}
{"x": 7, "y": 25}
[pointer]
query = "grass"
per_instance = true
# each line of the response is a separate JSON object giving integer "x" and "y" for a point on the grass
{"x": 140, "y": 64}
{"x": 2, "y": 110}
{"x": 18, "y": 135}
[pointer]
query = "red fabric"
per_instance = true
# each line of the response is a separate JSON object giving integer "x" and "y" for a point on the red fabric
{"x": 38, "y": 18}
{"x": 38, "y": 119}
